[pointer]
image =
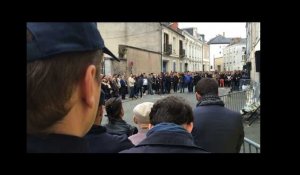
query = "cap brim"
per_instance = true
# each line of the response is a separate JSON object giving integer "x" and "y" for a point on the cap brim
{"x": 108, "y": 52}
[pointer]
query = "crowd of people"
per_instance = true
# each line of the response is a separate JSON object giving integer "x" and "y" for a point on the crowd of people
{"x": 67, "y": 97}
{"x": 135, "y": 86}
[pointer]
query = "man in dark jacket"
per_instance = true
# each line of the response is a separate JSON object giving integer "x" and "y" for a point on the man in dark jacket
{"x": 64, "y": 63}
{"x": 102, "y": 142}
{"x": 171, "y": 121}
{"x": 216, "y": 128}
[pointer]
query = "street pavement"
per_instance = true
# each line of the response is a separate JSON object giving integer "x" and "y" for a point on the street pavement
{"x": 252, "y": 132}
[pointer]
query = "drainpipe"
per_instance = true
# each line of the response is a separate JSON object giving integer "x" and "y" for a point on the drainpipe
{"x": 202, "y": 56}
{"x": 161, "y": 53}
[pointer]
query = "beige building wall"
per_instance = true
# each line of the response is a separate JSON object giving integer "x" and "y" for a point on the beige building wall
{"x": 206, "y": 59}
{"x": 143, "y": 62}
{"x": 174, "y": 39}
{"x": 144, "y": 35}
{"x": 219, "y": 64}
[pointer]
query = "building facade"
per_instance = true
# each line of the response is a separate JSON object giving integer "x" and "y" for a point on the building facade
{"x": 194, "y": 50}
{"x": 206, "y": 60}
{"x": 217, "y": 44}
{"x": 219, "y": 64}
{"x": 135, "y": 59}
{"x": 233, "y": 55}
{"x": 252, "y": 49}
{"x": 173, "y": 52}
{"x": 146, "y": 36}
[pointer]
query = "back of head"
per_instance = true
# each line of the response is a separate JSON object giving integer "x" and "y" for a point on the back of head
{"x": 172, "y": 110}
{"x": 207, "y": 86}
{"x": 113, "y": 107}
{"x": 141, "y": 112}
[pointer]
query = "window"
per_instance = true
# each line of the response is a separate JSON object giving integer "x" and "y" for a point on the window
{"x": 166, "y": 41}
{"x": 174, "y": 44}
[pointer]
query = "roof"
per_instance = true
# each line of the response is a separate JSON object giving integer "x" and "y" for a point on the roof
{"x": 189, "y": 30}
{"x": 167, "y": 25}
{"x": 219, "y": 39}
{"x": 237, "y": 41}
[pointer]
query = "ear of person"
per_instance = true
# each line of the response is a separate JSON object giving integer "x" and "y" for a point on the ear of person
{"x": 88, "y": 86}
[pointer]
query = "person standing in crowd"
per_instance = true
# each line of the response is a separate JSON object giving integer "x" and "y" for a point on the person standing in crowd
{"x": 115, "y": 113}
{"x": 145, "y": 84}
{"x": 175, "y": 82}
{"x": 102, "y": 142}
{"x": 123, "y": 87}
{"x": 222, "y": 80}
{"x": 171, "y": 120}
{"x": 114, "y": 86}
{"x": 196, "y": 79}
{"x": 168, "y": 83}
{"x": 141, "y": 118}
{"x": 105, "y": 86}
{"x": 64, "y": 63}
{"x": 150, "y": 83}
{"x": 182, "y": 82}
{"x": 131, "y": 82}
{"x": 216, "y": 128}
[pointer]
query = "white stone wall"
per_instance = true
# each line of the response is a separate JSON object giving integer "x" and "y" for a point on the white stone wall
{"x": 233, "y": 55}
{"x": 194, "y": 52}
{"x": 216, "y": 50}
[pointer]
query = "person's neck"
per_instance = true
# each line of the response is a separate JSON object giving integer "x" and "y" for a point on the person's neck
{"x": 72, "y": 124}
{"x": 143, "y": 127}
{"x": 66, "y": 128}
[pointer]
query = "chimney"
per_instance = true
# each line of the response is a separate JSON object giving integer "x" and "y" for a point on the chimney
{"x": 174, "y": 25}
{"x": 203, "y": 37}
{"x": 224, "y": 34}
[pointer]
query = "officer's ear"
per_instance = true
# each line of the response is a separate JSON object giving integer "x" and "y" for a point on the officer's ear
{"x": 88, "y": 87}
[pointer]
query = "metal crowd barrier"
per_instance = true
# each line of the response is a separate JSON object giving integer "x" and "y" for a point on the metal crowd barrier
{"x": 249, "y": 145}
{"x": 237, "y": 100}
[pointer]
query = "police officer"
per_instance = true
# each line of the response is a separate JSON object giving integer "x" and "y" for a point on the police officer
{"x": 63, "y": 85}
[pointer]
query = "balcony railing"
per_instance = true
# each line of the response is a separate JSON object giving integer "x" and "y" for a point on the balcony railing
{"x": 167, "y": 49}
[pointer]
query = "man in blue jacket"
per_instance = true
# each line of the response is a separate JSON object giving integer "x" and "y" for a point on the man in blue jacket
{"x": 216, "y": 128}
{"x": 171, "y": 122}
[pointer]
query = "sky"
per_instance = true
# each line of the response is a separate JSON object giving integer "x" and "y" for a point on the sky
{"x": 211, "y": 29}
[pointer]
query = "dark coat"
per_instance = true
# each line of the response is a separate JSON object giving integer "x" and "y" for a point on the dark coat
{"x": 218, "y": 129}
{"x": 120, "y": 127}
{"x": 102, "y": 142}
{"x": 56, "y": 143}
{"x": 140, "y": 82}
{"x": 166, "y": 142}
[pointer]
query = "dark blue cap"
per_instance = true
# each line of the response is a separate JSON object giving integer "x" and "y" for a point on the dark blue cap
{"x": 47, "y": 39}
